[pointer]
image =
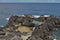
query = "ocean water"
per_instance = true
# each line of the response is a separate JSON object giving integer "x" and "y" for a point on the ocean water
{"x": 8, "y": 9}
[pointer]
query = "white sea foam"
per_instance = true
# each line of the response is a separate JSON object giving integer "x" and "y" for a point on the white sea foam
{"x": 2, "y": 26}
{"x": 46, "y": 15}
{"x": 54, "y": 39}
{"x": 36, "y": 16}
{"x": 7, "y": 19}
{"x": 21, "y": 15}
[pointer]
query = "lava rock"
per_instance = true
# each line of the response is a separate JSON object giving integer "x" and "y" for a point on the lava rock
{"x": 39, "y": 28}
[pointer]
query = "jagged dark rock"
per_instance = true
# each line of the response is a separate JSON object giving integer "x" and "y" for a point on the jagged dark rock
{"x": 39, "y": 28}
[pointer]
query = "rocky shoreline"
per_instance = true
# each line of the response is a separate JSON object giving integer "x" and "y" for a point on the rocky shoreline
{"x": 29, "y": 27}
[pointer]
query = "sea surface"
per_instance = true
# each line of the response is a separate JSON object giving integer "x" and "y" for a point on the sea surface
{"x": 8, "y": 9}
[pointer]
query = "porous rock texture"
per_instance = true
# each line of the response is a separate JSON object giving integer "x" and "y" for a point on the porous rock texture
{"x": 23, "y": 28}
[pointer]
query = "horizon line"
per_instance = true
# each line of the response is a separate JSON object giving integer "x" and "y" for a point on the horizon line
{"x": 29, "y": 2}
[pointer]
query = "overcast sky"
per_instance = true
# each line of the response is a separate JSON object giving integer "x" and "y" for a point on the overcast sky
{"x": 36, "y": 1}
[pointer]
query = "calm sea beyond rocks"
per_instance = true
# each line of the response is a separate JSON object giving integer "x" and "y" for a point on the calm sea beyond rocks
{"x": 29, "y": 27}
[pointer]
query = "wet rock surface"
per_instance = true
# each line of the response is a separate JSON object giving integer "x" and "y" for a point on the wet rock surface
{"x": 28, "y": 27}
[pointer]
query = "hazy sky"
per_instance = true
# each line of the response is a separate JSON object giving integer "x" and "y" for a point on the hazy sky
{"x": 36, "y": 1}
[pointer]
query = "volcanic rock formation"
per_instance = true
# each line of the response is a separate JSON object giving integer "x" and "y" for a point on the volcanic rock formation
{"x": 28, "y": 27}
